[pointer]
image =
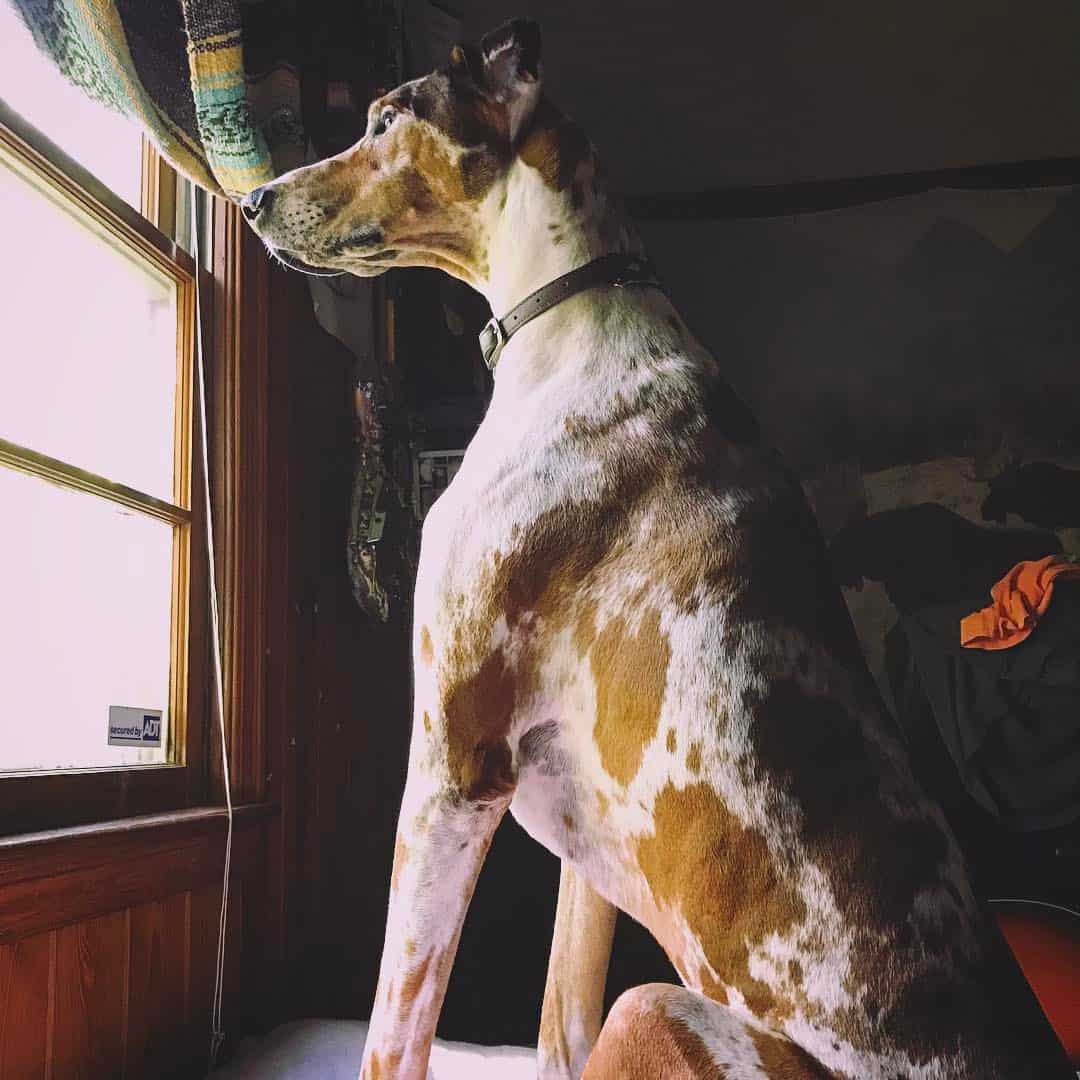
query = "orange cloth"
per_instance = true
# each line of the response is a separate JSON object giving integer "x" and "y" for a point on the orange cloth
{"x": 1020, "y": 598}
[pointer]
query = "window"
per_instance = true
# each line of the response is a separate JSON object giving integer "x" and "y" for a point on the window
{"x": 103, "y": 142}
{"x": 100, "y": 547}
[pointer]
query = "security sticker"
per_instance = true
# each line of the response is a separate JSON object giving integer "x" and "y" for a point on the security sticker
{"x": 134, "y": 727}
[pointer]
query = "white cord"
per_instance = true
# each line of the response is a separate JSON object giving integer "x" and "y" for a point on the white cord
{"x": 217, "y": 1035}
{"x": 1033, "y": 903}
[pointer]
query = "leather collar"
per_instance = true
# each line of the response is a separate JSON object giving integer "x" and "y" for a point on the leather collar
{"x": 618, "y": 270}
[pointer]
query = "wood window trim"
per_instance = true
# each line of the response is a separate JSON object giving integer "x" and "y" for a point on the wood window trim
{"x": 242, "y": 495}
{"x": 159, "y": 189}
{"x": 30, "y": 802}
{"x": 237, "y": 349}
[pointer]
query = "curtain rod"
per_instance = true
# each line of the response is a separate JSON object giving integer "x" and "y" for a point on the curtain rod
{"x": 808, "y": 197}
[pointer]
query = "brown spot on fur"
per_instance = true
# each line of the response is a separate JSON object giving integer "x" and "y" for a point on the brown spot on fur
{"x": 602, "y": 803}
{"x": 413, "y": 983}
{"x": 478, "y": 173}
{"x": 671, "y": 740}
{"x": 401, "y": 857}
{"x": 711, "y": 987}
{"x": 568, "y": 823}
{"x": 782, "y": 1059}
{"x": 702, "y": 861}
{"x": 585, "y": 627}
{"x": 630, "y": 671}
{"x": 623, "y": 409}
{"x": 427, "y": 722}
{"x": 546, "y": 571}
{"x": 718, "y": 713}
{"x": 640, "y": 1041}
{"x": 479, "y": 708}
{"x": 427, "y": 653}
{"x": 452, "y": 103}
{"x": 693, "y": 757}
{"x": 555, "y": 146}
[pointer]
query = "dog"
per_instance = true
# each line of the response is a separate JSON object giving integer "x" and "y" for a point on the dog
{"x": 627, "y": 634}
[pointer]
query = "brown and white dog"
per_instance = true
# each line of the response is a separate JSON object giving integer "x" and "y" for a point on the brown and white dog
{"x": 627, "y": 634}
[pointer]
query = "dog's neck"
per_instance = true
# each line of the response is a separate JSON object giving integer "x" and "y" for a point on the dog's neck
{"x": 548, "y": 215}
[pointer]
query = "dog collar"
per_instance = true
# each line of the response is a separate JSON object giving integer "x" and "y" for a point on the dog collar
{"x": 617, "y": 270}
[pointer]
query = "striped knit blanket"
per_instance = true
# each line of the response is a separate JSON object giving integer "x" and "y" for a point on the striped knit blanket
{"x": 178, "y": 68}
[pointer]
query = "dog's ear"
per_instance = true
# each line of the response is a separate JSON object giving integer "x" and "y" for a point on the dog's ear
{"x": 509, "y": 72}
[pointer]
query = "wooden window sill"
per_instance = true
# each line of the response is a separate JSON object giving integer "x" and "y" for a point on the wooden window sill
{"x": 60, "y": 876}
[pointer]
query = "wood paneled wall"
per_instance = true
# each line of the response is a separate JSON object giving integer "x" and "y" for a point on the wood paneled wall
{"x": 108, "y": 944}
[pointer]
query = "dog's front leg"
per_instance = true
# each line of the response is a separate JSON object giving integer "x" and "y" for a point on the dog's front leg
{"x": 442, "y": 839}
{"x": 577, "y": 973}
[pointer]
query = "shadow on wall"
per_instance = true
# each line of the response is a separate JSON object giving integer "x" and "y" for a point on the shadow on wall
{"x": 898, "y": 332}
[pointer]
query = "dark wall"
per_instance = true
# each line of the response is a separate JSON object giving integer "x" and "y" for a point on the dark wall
{"x": 895, "y": 332}
{"x": 687, "y": 95}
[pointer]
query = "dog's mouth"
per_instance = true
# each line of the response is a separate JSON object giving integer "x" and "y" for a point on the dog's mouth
{"x": 344, "y": 249}
{"x": 294, "y": 262}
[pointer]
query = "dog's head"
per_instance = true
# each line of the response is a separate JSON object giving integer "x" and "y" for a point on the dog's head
{"x": 411, "y": 191}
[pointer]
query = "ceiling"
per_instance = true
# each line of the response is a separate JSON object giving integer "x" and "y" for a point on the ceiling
{"x": 683, "y": 96}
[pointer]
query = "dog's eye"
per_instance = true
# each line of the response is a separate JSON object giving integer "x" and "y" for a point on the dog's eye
{"x": 386, "y": 118}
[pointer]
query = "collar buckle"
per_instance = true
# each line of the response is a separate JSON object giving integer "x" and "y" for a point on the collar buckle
{"x": 492, "y": 340}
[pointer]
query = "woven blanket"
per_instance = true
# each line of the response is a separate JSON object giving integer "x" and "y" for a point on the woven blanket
{"x": 215, "y": 83}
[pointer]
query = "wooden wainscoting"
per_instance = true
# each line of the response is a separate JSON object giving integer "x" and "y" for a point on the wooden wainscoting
{"x": 108, "y": 945}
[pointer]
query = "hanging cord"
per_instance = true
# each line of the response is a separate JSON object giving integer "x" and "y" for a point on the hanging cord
{"x": 1034, "y": 903}
{"x": 217, "y": 1035}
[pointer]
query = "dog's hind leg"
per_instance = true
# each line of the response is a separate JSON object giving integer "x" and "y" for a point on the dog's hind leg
{"x": 666, "y": 1031}
{"x": 442, "y": 840}
{"x": 577, "y": 972}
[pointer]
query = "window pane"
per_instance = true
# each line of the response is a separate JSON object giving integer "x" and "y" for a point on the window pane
{"x": 85, "y": 616}
{"x": 102, "y": 141}
{"x": 88, "y": 356}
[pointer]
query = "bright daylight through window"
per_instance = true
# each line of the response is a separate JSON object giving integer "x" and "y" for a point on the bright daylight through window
{"x": 94, "y": 368}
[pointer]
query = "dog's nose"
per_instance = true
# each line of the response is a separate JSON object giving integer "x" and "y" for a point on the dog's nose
{"x": 256, "y": 202}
